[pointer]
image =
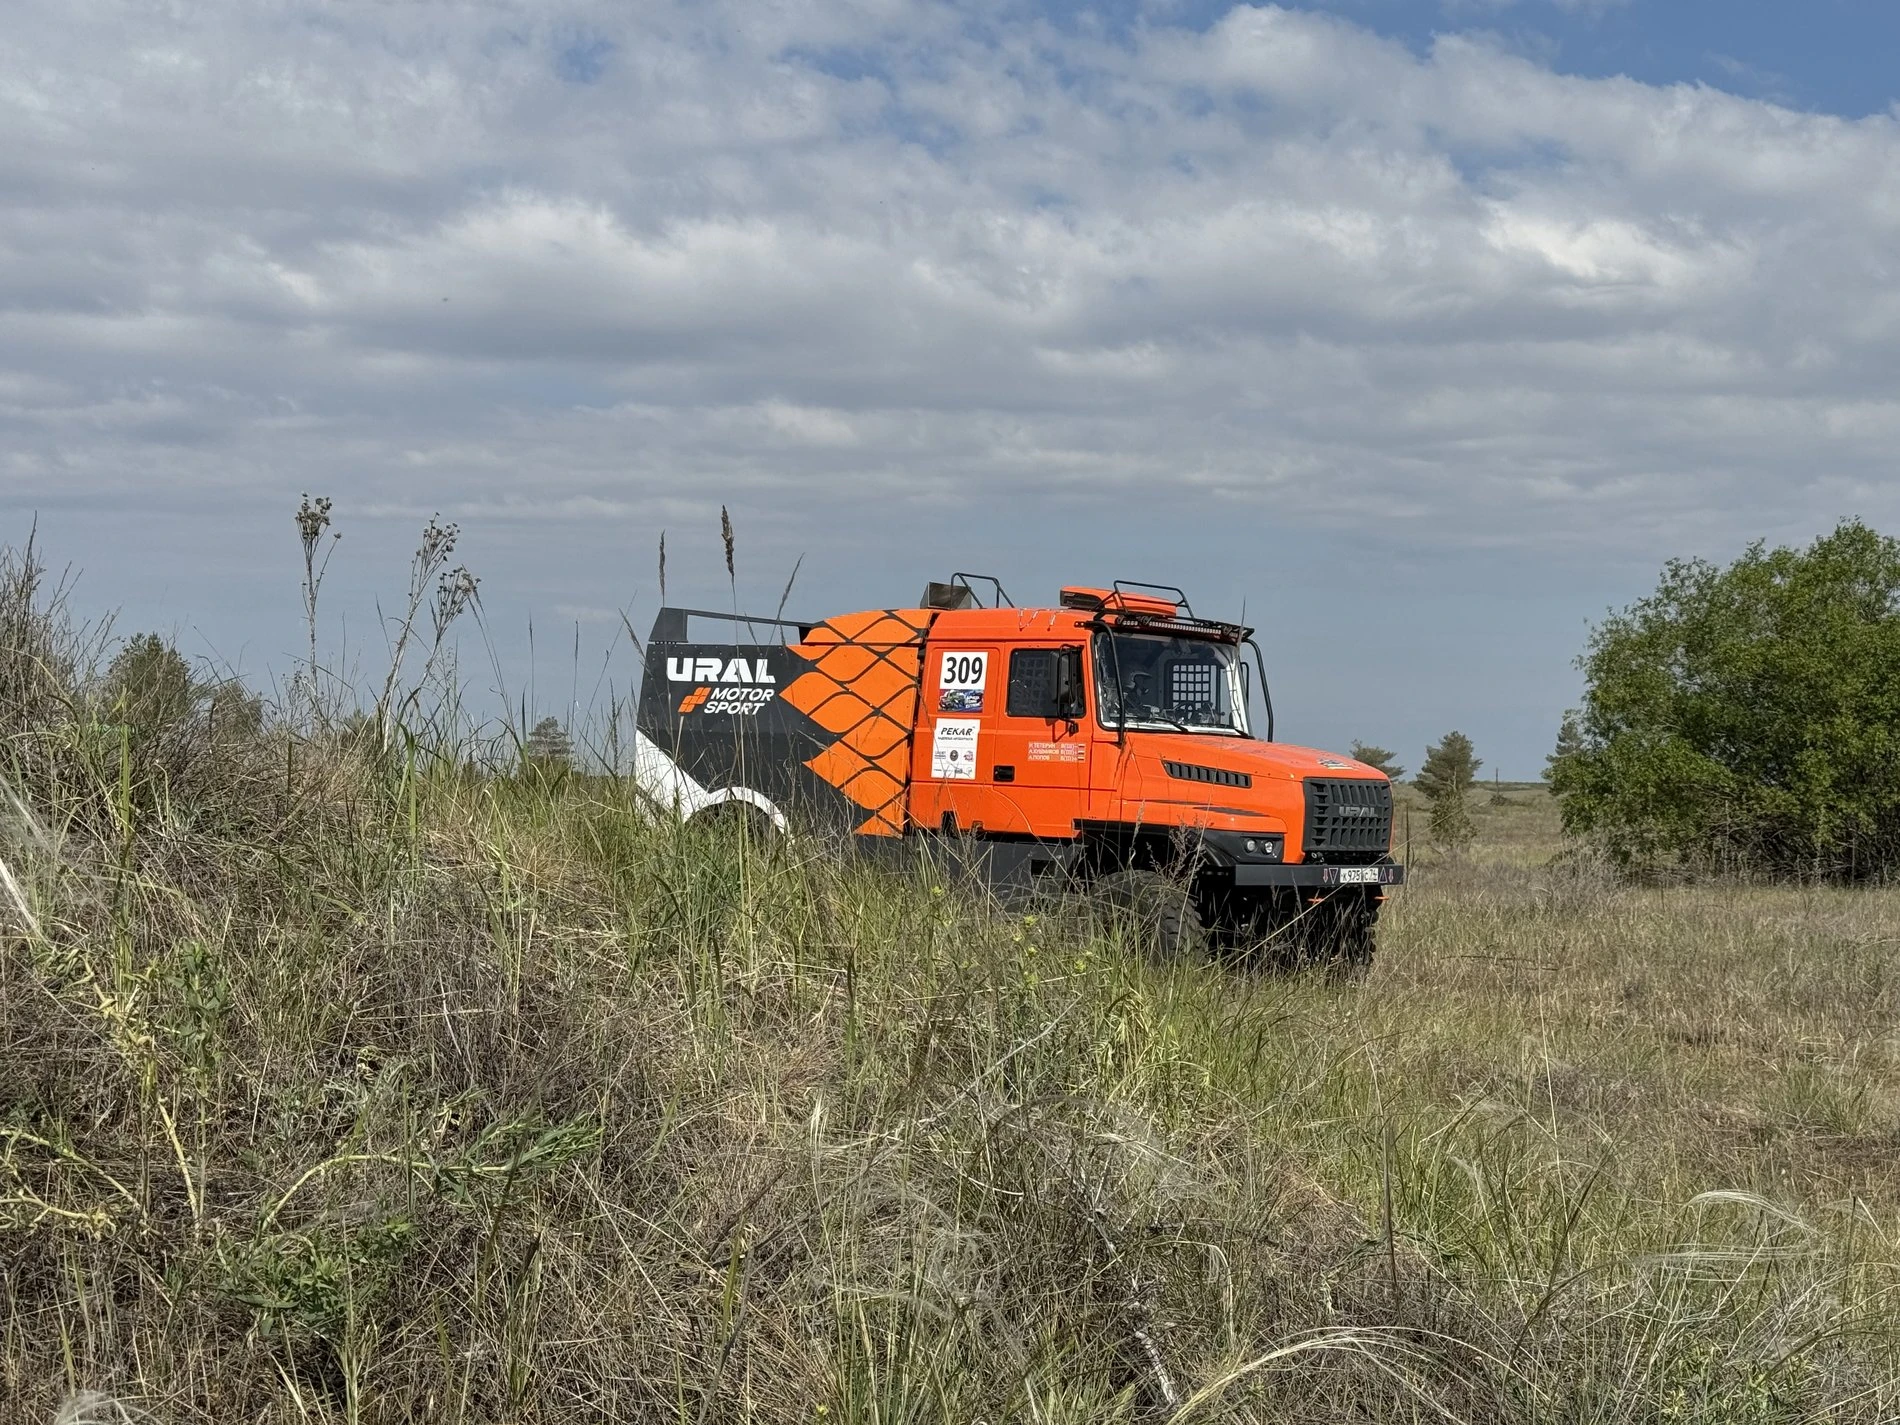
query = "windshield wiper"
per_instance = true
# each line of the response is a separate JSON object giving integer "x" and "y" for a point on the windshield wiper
{"x": 1156, "y": 715}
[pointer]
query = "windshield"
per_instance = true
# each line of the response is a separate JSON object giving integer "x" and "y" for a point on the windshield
{"x": 1167, "y": 684}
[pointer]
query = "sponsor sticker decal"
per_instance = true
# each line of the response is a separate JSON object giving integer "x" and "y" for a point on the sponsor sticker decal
{"x": 736, "y": 687}
{"x": 1058, "y": 752}
{"x": 953, "y": 749}
{"x": 960, "y": 681}
{"x": 734, "y": 702}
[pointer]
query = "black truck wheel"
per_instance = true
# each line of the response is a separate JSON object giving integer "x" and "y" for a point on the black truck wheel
{"x": 1161, "y": 912}
{"x": 1339, "y": 935}
{"x": 741, "y": 821}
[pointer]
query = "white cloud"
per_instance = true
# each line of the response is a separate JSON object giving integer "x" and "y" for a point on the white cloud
{"x": 1284, "y": 268}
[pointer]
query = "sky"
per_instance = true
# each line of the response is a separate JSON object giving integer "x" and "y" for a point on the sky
{"x": 1418, "y": 334}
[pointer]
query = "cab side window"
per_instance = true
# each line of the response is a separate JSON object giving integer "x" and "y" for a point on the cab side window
{"x": 1032, "y": 683}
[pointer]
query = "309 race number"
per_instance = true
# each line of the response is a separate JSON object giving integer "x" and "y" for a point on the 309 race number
{"x": 965, "y": 670}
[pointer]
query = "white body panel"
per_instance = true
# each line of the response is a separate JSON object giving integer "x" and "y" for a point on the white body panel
{"x": 669, "y": 785}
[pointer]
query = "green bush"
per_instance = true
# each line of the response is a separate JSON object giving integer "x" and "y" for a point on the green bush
{"x": 1452, "y": 827}
{"x": 150, "y": 685}
{"x": 163, "y": 730}
{"x": 1747, "y": 718}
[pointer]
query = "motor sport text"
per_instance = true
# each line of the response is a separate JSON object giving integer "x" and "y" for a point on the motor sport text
{"x": 738, "y": 690}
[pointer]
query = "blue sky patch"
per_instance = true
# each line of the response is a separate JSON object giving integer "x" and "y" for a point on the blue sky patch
{"x": 1829, "y": 56}
{"x": 582, "y": 58}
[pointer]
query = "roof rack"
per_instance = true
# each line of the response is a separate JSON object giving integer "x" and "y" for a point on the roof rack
{"x": 1122, "y": 586}
{"x": 1002, "y": 597}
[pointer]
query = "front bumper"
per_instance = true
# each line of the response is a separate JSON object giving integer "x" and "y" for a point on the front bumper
{"x": 1320, "y": 877}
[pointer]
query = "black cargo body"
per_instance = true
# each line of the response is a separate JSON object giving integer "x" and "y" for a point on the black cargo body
{"x": 816, "y": 731}
{"x": 737, "y": 733}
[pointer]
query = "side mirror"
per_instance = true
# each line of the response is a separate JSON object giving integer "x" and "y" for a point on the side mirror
{"x": 1069, "y": 683}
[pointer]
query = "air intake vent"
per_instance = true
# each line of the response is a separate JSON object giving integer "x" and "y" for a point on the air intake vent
{"x": 1348, "y": 823}
{"x": 1219, "y": 776}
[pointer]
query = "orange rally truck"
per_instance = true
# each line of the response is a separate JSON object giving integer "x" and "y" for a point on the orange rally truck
{"x": 1106, "y": 743}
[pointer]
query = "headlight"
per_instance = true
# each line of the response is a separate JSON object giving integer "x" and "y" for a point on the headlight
{"x": 1242, "y": 846}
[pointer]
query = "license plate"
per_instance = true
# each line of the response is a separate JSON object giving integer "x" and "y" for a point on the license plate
{"x": 1358, "y": 875}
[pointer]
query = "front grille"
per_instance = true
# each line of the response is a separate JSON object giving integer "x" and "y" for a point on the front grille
{"x": 1220, "y": 776}
{"x": 1348, "y": 823}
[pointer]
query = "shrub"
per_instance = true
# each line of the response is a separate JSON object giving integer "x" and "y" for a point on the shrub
{"x": 161, "y": 730}
{"x": 1747, "y": 717}
{"x": 1452, "y": 827}
{"x": 149, "y": 685}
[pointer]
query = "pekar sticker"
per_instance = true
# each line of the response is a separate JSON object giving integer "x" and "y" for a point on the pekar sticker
{"x": 953, "y": 749}
{"x": 960, "y": 682}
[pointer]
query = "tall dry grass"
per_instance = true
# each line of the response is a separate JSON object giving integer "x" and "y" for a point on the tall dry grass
{"x": 345, "y": 1084}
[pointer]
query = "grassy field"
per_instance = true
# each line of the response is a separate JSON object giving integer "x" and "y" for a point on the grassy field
{"x": 343, "y": 1086}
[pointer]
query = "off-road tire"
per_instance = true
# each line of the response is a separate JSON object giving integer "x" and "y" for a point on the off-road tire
{"x": 1161, "y": 912}
{"x": 1340, "y": 937}
{"x": 740, "y": 819}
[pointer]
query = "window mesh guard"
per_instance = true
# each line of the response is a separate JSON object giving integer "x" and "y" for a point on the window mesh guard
{"x": 1032, "y": 682}
{"x": 1191, "y": 687}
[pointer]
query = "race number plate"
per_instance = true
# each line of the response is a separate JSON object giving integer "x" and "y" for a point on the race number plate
{"x": 960, "y": 683}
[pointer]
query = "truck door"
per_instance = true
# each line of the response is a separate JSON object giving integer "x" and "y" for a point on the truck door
{"x": 954, "y": 753}
{"x": 1042, "y": 741}
{"x": 995, "y": 751}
